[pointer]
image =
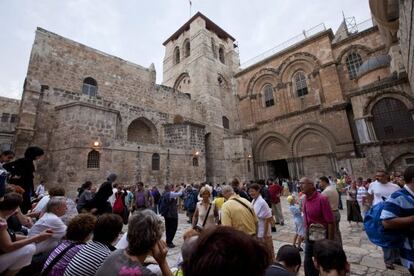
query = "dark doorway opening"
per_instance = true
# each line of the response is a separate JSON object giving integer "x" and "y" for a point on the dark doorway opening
{"x": 278, "y": 168}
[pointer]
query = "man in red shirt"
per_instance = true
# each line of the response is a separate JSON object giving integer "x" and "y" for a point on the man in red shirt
{"x": 316, "y": 211}
{"x": 274, "y": 192}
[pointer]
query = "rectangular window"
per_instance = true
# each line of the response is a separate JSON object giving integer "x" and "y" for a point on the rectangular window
{"x": 270, "y": 102}
{"x": 13, "y": 118}
{"x": 409, "y": 161}
{"x": 5, "y": 117}
{"x": 302, "y": 92}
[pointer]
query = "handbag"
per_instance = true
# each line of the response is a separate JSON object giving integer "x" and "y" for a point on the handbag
{"x": 316, "y": 232}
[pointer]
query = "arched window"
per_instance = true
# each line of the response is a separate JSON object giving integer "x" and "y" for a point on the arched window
{"x": 392, "y": 119}
{"x": 353, "y": 61}
{"x": 195, "y": 162}
{"x": 268, "y": 95}
{"x": 93, "y": 160}
{"x": 221, "y": 55}
{"x": 155, "y": 162}
{"x": 300, "y": 84}
{"x": 90, "y": 87}
{"x": 176, "y": 55}
{"x": 187, "y": 48}
{"x": 226, "y": 123}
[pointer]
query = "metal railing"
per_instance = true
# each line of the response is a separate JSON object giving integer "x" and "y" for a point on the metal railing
{"x": 366, "y": 24}
{"x": 290, "y": 42}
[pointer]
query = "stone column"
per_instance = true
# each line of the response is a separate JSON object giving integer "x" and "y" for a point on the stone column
{"x": 370, "y": 128}
{"x": 167, "y": 175}
{"x": 334, "y": 164}
{"x": 291, "y": 167}
{"x": 138, "y": 164}
{"x": 364, "y": 134}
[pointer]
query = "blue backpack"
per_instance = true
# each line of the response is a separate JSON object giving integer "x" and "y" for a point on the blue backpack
{"x": 164, "y": 204}
{"x": 376, "y": 232}
{"x": 190, "y": 203}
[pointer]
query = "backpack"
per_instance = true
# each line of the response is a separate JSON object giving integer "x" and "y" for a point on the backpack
{"x": 190, "y": 203}
{"x": 164, "y": 204}
{"x": 376, "y": 232}
{"x": 118, "y": 207}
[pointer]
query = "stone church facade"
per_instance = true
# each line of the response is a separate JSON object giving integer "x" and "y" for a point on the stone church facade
{"x": 329, "y": 101}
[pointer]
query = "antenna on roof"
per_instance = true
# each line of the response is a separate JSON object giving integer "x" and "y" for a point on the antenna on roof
{"x": 350, "y": 24}
{"x": 191, "y": 4}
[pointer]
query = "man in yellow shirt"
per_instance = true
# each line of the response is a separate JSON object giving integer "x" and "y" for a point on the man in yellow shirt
{"x": 238, "y": 212}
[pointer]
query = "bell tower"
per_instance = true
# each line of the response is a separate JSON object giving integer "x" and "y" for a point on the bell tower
{"x": 201, "y": 60}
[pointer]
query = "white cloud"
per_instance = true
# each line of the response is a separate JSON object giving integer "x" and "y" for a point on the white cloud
{"x": 134, "y": 30}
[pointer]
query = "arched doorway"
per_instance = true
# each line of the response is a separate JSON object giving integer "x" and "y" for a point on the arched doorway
{"x": 142, "y": 130}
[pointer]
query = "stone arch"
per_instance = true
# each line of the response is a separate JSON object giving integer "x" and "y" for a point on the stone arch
{"x": 353, "y": 48}
{"x": 302, "y": 60}
{"x": 400, "y": 162}
{"x": 142, "y": 130}
{"x": 401, "y": 96}
{"x": 182, "y": 83}
{"x": 271, "y": 145}
{"x": 319, "y": 140}
{"x": 263, "y": 75}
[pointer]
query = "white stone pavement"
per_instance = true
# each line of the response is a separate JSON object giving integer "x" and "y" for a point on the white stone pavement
{"x": 365, "y": 258}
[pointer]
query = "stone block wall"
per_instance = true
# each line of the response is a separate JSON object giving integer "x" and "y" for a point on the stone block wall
{"x": 8, "y": 122}
{"x": 406, "y": 36}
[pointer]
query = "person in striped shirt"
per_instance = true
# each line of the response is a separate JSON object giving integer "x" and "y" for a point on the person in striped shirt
{"x": 398, "y": 215}
{"x": 90, "y": 258}
{"x": 77, "y": 234}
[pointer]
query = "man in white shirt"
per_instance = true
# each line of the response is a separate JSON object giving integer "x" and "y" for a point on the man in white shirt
{"x": 56, "y": 207}
{"x": 378, "y": 191}
{"x": 381, "y": 189}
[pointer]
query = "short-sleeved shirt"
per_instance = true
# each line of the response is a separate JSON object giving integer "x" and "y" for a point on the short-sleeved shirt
{"x": 118, "y": 263}
{"x": 236, "y": 215}
{"x": 401, "y": 204}
{"x": 263, "y": 212}
{"x": 316, "y": 209}
{"x": 362, "y": 192}
{"x": 333, "y": 197}
{"x": 381, "y": 191}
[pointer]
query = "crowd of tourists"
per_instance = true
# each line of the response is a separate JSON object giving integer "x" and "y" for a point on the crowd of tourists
{"x": 44, "y": 232}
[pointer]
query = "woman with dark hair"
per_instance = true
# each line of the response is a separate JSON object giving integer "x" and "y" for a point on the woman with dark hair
{"x": 85, "y": 195}
{"x": 79, "y": 231}
{"x": 21, "y": 174}
{"x": 145, "y": 230}
{"x": 225, "y": 251}
{"x": 88, "y": 260}
{"x": 16, "y": 251}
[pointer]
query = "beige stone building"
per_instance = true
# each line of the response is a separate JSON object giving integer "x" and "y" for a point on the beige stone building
{"x": 325, "y": 102}
{"x": 9, "y": 118}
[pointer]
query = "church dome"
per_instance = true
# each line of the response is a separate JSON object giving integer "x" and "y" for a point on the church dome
{"x": 374, "y": 63}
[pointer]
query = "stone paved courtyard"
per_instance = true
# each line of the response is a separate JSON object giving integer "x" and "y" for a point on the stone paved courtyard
{"x": 364, "y": 257}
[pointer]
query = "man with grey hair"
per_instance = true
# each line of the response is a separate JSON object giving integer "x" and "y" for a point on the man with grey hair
{"x": 238, "y": 212}
{"x": 319, "y": 221}
{"x": 56, "y": 207}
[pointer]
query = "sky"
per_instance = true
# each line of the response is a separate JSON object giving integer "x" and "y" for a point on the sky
{"x": 134, "y": 30}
